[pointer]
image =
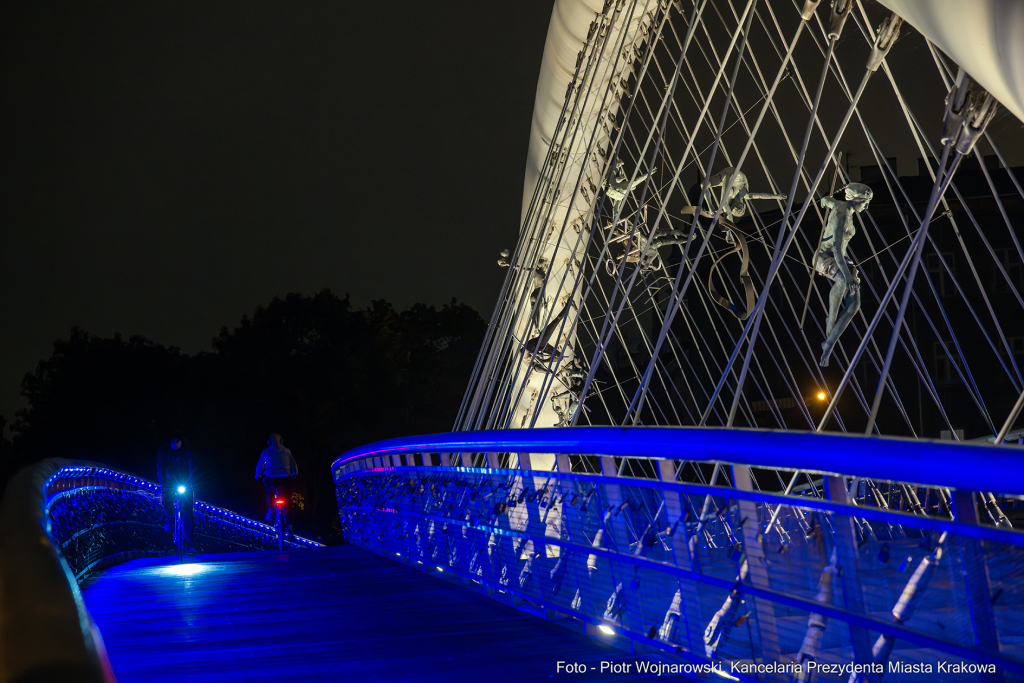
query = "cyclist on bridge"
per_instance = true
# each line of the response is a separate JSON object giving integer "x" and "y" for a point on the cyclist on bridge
{"x": 175, "y": 465}
{"x": 276, "y": 466}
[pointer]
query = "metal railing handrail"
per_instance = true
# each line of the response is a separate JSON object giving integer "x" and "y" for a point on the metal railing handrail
{"x": 882, "y": 515}
{"x": 78, "y": 470}
{"x": 961, "y": 466}
{"x": 896, "y": 630}
{"x": 45, "y": 629}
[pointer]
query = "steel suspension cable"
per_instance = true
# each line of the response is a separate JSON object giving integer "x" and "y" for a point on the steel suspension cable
{"x": 602, "y": 344}
{"x": 782, "y": 231}
{"x": 808, "y": 11}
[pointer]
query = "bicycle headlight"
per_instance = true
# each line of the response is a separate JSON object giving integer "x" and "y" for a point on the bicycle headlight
{"x": 181, "y": 489}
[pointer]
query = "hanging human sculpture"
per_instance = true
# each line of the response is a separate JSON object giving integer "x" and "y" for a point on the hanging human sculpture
{"x": 618, "y": 186}
{"x": 635, "y": 236}
{"x": 832, "y": 262}
{"x": 734, "y": 207}
{"x": 565, "y": 398}
{"x": 735, "y": 202}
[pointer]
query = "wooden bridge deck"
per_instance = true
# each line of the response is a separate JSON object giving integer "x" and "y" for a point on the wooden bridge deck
{"x": 332, "y": 614}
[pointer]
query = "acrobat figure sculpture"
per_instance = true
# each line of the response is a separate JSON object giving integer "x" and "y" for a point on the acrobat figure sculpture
{"x": 618, "y": 185}
{"x": 832, "y": 262}
{"x": 736, "y": 200}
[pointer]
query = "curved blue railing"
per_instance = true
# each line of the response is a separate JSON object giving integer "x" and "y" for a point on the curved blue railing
{"x": 60, "y": 521}
{"x": 936, "y": 463}
{"x": 807, "y": 554}
{"x": 98, "y": 516}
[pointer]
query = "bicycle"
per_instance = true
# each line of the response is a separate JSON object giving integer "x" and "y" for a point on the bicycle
{"x": 179, "y": 526}
{"x": 280, "y": 517}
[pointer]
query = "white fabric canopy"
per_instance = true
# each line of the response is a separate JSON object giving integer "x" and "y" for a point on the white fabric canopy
{"x": 985, "y": 37}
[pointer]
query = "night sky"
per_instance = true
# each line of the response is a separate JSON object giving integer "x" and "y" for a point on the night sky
{"x": 172, "y": 166}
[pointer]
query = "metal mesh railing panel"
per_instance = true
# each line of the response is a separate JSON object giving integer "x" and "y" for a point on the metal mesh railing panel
{"x": 710, "y": 575}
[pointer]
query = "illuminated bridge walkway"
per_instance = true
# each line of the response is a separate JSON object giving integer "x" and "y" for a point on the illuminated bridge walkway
{"x": 763, "y": 553}
{"x": 83, "y": 544}
{"x": 326, "y": 614}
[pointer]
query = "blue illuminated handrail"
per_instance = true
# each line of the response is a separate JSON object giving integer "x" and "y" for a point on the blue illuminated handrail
{"x": 874, "y": 514}
{"x": 643, "y": 556}
{"x": 41, "y": 597}
{"x": 972, "y": 467}
{"x": 897, "y": 630}
{"x": 80, "y": 471}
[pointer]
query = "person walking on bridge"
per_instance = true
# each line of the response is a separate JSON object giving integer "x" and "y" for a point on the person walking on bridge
{"x": 175, "y": 466}
{"x": 276, "y": 466}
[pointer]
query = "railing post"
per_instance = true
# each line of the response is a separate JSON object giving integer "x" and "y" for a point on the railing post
{"x": 849, "y": 576}
{"x": 446, "y": 459}
{"x": 618, "y": 540}
{"x": 492, "y": 461}
{"x": 675, "y": 512}
{"x": 608, "y": 467}
{"x": 667, "y": 472}
{"x": 757, "y": 567}
{"x": 976, "y": 580}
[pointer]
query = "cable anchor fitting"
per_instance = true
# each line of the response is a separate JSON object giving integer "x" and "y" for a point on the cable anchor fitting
{"x": 808, "y": 11}
{"x": 969, "y": 110}
{"x": 888, "y": 32}
{"x": 840, "y": 11}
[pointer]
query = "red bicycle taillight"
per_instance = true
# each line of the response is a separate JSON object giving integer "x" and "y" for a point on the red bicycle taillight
{"x": 279, "y": 501}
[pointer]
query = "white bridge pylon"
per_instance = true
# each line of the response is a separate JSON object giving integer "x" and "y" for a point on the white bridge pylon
{"x": 688, "y": 255}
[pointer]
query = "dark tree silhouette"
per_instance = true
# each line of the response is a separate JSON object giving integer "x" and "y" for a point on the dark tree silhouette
{"x": 324, "y": 375}
{"x": 8, "y": 462}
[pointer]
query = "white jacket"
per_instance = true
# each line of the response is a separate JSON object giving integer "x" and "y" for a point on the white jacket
{"x": 276, "y": 463}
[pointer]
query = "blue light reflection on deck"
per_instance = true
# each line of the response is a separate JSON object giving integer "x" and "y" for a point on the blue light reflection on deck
{"x": 190, "y": 569}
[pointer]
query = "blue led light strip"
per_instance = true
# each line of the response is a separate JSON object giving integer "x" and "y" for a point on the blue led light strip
{"x": 927, "y": 463}
{"x": 76, "y": 472}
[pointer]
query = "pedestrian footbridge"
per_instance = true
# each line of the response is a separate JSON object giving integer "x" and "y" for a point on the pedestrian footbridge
{"x": 541, "y": 554}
